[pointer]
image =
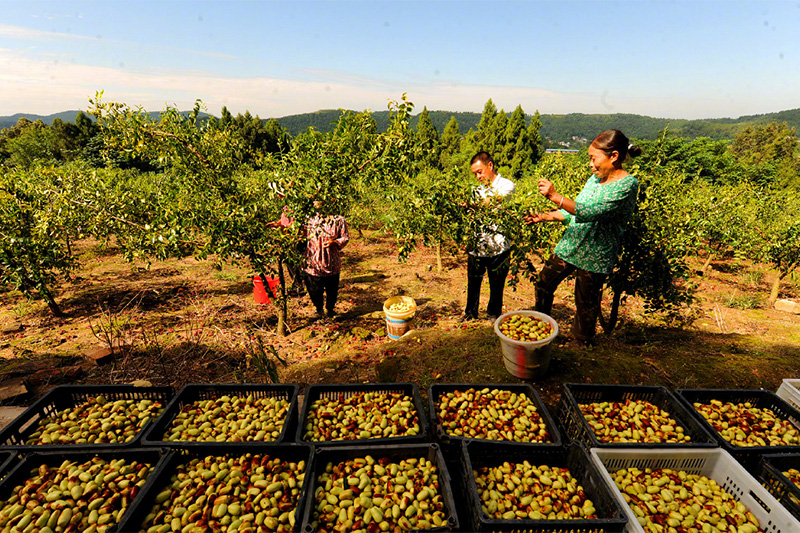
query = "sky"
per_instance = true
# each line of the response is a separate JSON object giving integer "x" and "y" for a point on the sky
{"x": 665, "y": 59}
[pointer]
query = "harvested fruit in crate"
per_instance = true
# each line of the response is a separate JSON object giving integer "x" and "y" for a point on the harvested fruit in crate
{"x": 793, "y": 475}
{"x": 364, "y": 415}
{"x": 229, "y": 493}
{"x": 230, "y": 419}
{"x": 523, "y": 491}
{"x": 525, "y": 328}
{"x": 663, "y": 498}
{"x": 741, "y": 424}
{"x": 378, "y": 495}
{"x": 96, "y": 421}
{"x": 492, "y": 414}
{"x": 88, "y": 496}
{"x": 632, "y": 421}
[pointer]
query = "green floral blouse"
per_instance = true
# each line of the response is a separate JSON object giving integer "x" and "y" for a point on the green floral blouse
{"x": 593, "y": 236}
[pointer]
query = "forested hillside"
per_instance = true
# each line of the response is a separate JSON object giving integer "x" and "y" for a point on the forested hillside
{"x": 556, "y": 130}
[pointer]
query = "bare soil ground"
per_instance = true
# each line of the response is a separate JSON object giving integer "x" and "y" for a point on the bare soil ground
{"x": 182, "y": 321}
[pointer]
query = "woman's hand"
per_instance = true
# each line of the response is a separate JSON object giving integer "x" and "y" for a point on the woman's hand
{"x": 533, "y": 218}
{"x": 546, "y": 188}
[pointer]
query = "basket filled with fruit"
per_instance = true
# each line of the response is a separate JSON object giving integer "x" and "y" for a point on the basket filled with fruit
{"x": 526, "y": 339}
{"x": 399, "y": 311}
{"x": 77, "y": 490}
{"x": 687, "y": 489}
{"x": 86, "y": 416}
{"x": 514, "y": 488}
{"x": 613, "y": 416}
{"x": 248, "y": 413}
{"x": 224, "y": 487}
{"x": 780, "y": 474}
{"x": 506, "y": 412}
{"x": 379, "y": 488}
{"x": 746, "y": 423}
{"x": 354, "y": 413}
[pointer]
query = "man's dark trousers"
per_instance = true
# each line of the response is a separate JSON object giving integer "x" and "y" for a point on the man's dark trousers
{"x": 496, "y": 267}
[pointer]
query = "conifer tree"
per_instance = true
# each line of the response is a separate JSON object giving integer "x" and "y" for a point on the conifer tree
{"x": 535, "y": 138}
{"x": 517, "y": 152}
{"x": 449, "y": 144}
{"x": 427, "y": 140}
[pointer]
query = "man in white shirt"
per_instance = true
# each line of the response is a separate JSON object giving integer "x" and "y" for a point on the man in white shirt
{"x": 492, "y": 250}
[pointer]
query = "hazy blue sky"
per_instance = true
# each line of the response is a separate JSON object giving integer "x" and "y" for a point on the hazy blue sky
{"x": 667, "y": 59}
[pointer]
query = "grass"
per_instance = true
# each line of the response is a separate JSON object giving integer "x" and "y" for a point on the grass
{"x": 743, "y": 300}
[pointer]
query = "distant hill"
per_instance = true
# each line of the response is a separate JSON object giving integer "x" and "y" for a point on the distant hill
{"x": 572, "y": 129}
{"x": 66, "y": 116}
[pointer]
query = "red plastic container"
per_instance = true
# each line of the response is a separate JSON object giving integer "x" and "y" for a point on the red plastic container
{"x": 260, "y": 294}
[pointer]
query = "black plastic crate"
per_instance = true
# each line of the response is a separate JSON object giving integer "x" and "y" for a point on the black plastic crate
{"x": 611, "y": 517}
{"x": 345, "y": 391}
{"x": 394, "y": 453}
{"x": 195, "y": 391}
{"x": 22, "y": 471}
{"x": 577, "y": 428}
{"x": 451, "y": 444}
{"x": 8, "y": 459}
{"x": 749, "y": 457}
{"x": 135, "y": 518}
{"x": 772, "y": 468}
{"x": 62, "y": 397}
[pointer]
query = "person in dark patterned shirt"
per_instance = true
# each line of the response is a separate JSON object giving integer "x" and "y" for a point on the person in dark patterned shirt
{"x": 596, "y": 220}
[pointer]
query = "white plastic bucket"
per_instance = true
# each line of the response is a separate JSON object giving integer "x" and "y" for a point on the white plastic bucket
{"x": 526, "y": 360}
{"x": 398, "y": 324}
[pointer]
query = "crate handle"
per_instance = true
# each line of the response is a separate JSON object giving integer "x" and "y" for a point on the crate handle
{"x": 760, "y": 502}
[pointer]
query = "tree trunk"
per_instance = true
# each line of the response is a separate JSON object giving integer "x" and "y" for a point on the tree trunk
{"x": 439, "y": 247}
{"x": 282, "y": 304}
{"x": 776, "y": 284}
{"x": 706, "y": 264}
{"x": 51, "y": 302}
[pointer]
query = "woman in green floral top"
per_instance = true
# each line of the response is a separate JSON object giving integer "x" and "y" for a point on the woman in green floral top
{"x": 596, "y": 220}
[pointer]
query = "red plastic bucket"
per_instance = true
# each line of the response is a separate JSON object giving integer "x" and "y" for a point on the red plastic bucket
{"x": 260, "y": 294}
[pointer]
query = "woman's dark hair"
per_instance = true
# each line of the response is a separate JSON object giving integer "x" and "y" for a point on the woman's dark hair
{"x": 616, "y": 141}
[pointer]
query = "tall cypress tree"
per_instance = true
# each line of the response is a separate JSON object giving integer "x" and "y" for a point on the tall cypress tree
{"x": 517, "y": 151}
{"x": 449, "y": 144}
{"x": 535, "y": 138}
{"x": 427, "y": 139}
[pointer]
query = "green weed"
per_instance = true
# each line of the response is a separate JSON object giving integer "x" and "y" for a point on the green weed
{"x": 742, "y": 301}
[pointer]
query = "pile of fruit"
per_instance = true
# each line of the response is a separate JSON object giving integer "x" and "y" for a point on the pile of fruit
{"x": 492, "y": 414}
{"x": 673, "y": 500}
{"x": 90, "y": 497}
{"x": 364, "y": 494}
{"x": 227, "y": 419}
{"x": 741, "y": 424}
{"x": 229, "y": 493}
{"x": 525, "y": 328}
{"x": 632, "y": 421}
{"x": 96, "y": 421}
{"x": 793, "y": 475}
{"x": 400, "y": 307}
{"x": 363, "y": 415}
{"x": 522, "y": 491}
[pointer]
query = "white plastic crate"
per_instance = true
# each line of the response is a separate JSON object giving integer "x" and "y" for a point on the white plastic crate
{"x": 790, "y": 391}
{"x": 716, "y": 464}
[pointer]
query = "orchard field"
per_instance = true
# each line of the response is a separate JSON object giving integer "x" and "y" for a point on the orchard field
{"x": 180, "y": 322}
{"x": 141, "y": 237}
